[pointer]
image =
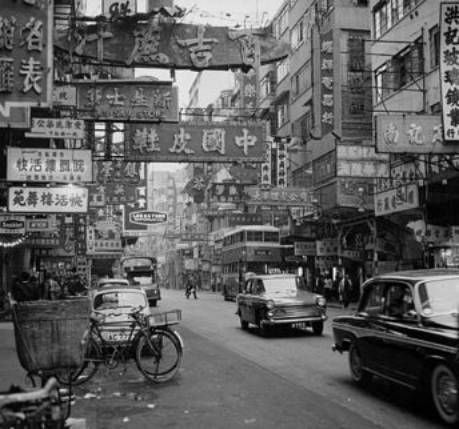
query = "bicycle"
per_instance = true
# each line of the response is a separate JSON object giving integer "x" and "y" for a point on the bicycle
{"x": 155, "y": 347}
{"x": 33, "y": 409}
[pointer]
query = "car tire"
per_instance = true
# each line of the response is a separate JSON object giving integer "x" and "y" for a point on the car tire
{"x": 358, "y": 374}
{"x": 317, "y": 327}
{"x": 244, "y": 323}
{"x": 444, "y": 386}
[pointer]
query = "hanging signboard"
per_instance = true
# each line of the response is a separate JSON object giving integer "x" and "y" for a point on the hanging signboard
{"x": 281, "y": 163}
{"x": 26, "y": 60}
{"x": 284, "y": 197}
{"x": 449, "y": 81}
{"x": 103, "y": 237}
{"x": 127, "y": 100}
{"x": 193, "y": 236}
{"x": 115, "y": 9}
{"x": 411, "y": 134}
{"x": 237, "y": 219}
{"x": 12, "y": 224}
{"x": 197, "y": 142}
{"x": 42, "y": 224}
{"x": 130, "y": 228}
{"x": 305, "y": 248}
{"x": 146, "y": 217}
{"x": 48, "y": 165}
{"x": 327, "y": 84}
{"x": 327, "y": 247}
{"x": 65, "y": 199}
{"x": 225, "y": 192}
{"x": 101, "y": 195}
{"x": 43, "y": 240}
{"x": 56, "y": 128}
{"x": 169, "y": 44}
{"x": 404, "y": 197}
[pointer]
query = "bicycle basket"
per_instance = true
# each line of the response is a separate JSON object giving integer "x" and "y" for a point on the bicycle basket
{"x": 171, "y": 317}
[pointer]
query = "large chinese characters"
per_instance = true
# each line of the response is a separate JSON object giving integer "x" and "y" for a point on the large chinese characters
{"x": 449, "y": 69}
{"x": 25, "y": 53}
{"x": 196, "y": 142}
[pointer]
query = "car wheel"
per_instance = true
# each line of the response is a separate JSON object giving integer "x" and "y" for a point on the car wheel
{"x": 244, "y": 323}
{"x": 358, "y": 374}
{"x": 318, "y": 327}
{"x": 444, "y": 389}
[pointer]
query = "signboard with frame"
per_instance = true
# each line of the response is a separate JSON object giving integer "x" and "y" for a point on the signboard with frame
{"x": 26, "y": 60}
{"x": 57, "y": 128}
{"x": 127, "y": 100}
{"x": 64, "y": 199}
{"x": 411, "y": 134}
{"x": 48, "y": 165}
{"x": 12, "y": 224}
{"x": 404, "y": 197}
{"x": 197, "y": 142}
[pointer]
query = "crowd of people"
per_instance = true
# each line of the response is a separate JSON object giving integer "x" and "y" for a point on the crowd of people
{"x": 341, "y": 289}
{"x": 27, "y": 287}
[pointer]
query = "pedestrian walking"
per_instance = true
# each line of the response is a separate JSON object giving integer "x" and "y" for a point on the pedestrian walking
{"x": 51, "y": 288}
{"x": 328, "y": 287}
{"x": 345, "y": 288}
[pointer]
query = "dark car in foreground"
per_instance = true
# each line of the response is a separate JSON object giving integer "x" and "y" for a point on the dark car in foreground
{"x": 406, "y": 330}
{"x": 280, "y": 299}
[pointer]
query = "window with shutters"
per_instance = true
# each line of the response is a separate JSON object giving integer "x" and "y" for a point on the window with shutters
{"x": 408, "y": 65}
{"x": 434, "y": 46}
{"x": 297, "y": 34}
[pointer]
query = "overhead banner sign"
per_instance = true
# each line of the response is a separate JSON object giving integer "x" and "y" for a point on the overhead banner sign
{"x": 404, "y": 197}
{"x": 57, "y": 128}
{"x": 11, "y": 224}
{"x": 145, "y": 217}
{"x": 449, "y": 76}
{"x": 411, "y": 134}
{"x": 169, "y": 44}
{"x": 193, "y": 236}
{"x": 361, "y": 161}
{"x": 48, "y": 165}
{"x": 284, "y": 197}
{"x": 26, "y": 60}
{"x": 197, "y": 142}
{"x": 65, "y": 199}
{"x": 127, "y": 100}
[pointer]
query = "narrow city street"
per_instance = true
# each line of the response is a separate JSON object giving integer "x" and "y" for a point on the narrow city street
{"x": 231, "y": 378}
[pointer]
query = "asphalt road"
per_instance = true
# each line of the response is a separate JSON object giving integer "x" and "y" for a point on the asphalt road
{"x": 231, "y": 378}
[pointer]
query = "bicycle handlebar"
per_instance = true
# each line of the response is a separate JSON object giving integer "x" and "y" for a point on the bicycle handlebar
{"x": 132, "y": 314}
{"x": 34, "y": 395}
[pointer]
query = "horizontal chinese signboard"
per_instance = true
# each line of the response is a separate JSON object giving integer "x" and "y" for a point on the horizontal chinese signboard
{"x": 197, "y": 142}
{"x": 145, "y": 217}
{"x": 305, "y": 248}
{"x": 45, "y": 224}
{"x": 193, "y": 236}
{"x": 127, "y": 100}
{"x": 49, "y": 165}
{"x": 26, "y": 61}
{"x": 11, "y": 224}
{"x": 411, "y": 134}
{"x": 327, "y": 247}
{"x": 43, "y": 241}
{"x": 65, "y": 199}
{"x": 103, "y": 237}
{"x": 245, "y": 219}
{"x": 402, "y": 198}
{"x": 57, "y": 128}
{"x": 168, "y": 44}
{"x": 280, "y": 197}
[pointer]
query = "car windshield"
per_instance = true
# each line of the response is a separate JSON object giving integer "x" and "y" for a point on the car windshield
{"x": 114, "y": 300}
{"x": 439, "y": 297}
{"x": 287, "y": 285}
{"x": 113, "y": 284}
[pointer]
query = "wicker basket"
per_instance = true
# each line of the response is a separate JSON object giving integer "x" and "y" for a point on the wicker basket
{"x": 48, "y": 333}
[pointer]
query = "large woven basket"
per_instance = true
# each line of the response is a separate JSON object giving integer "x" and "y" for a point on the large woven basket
{"x": 48, "y": 333}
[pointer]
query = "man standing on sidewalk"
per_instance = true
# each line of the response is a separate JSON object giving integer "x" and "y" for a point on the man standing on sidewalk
{"x": 345, "y": 288}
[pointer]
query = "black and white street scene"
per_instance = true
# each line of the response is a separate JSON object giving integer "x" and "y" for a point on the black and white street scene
{"x": 229, "y": 214}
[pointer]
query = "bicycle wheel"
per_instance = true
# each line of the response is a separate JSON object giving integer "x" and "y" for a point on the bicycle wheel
{"x": 159, "y": 357}
{"x": 91, "y": 361}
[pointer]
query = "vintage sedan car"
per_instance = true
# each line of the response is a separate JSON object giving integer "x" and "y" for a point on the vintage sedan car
{"x": 112, "y": 305}
{"x": 280, "y": 299}
{"x": 406, "y": 330}
{"x": 152, "y": 290}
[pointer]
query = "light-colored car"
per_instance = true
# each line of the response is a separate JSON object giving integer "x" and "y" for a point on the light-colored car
{"x": 280, "y": 299}
{"x": 112, "y": 282}
{"x": 152, "y": 291}
{"x": 112, "y": 305}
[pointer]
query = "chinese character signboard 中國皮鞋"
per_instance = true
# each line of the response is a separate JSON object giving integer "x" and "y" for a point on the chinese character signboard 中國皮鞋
{"x": 127, "y": 100}
{"x": 165, "y": 43}
{"x": 25, "y": 57}
{"x": 48, "y": 165}
{"x": 63, "y": 199}
{"x": 196, "y": 142}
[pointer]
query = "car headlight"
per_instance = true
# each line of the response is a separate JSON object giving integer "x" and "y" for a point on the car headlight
{"x": 321, "y": 301}
{"x": 270, "y": 305}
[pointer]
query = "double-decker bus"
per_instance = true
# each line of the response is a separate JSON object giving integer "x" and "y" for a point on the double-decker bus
{"x": 248, "y": 249}
{"x": 142, "y": 271}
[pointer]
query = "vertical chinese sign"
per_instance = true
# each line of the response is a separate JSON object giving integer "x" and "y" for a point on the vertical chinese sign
{"x": 281, "y": 163}
{"x": 449, "y": 69}
{"x": 25, "y": 56}
{"x": 327, "y": 86}
{"x": 266, "y": 165}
